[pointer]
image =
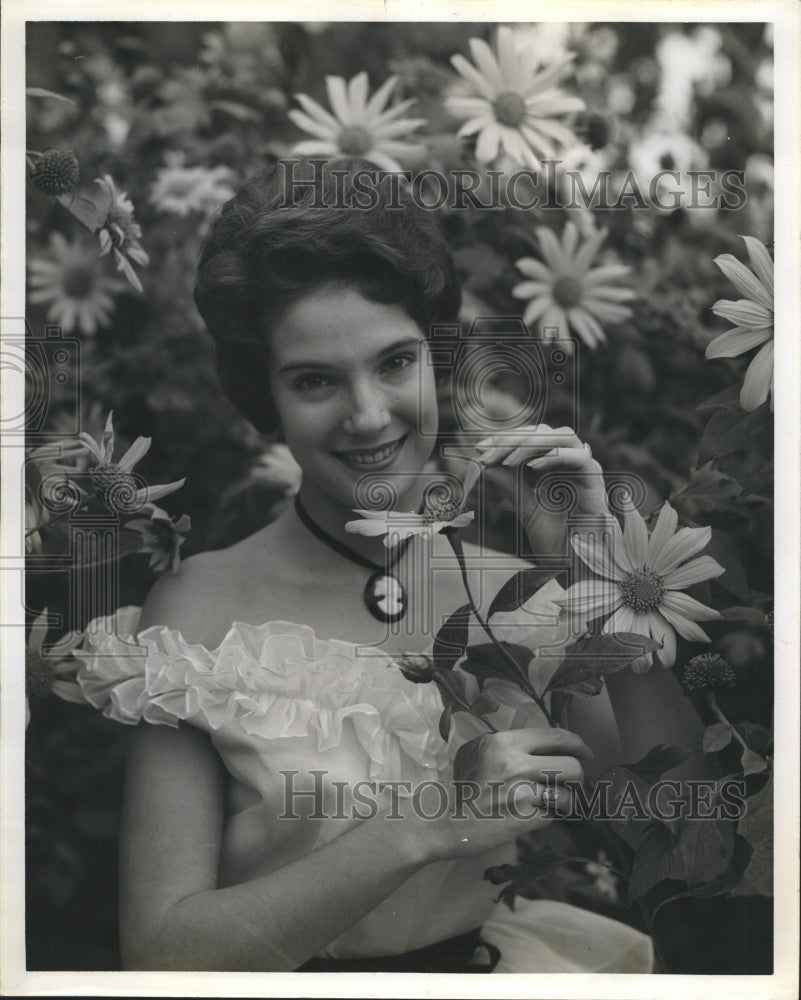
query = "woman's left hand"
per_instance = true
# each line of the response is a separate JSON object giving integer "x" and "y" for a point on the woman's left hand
{"x": 545, "y": 450}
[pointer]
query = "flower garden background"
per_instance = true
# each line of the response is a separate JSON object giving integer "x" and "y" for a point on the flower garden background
{"x": 138, "y": 132}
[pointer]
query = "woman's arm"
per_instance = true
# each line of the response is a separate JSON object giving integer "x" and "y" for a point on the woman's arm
{"x": 173, "y": 916}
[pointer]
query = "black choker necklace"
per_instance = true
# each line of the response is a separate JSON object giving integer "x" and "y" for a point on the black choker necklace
{"x": 383, "y": 593}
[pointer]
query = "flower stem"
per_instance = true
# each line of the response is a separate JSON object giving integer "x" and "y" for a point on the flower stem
{"x": 525, "y": 684}
{"x": 712, "y": 701}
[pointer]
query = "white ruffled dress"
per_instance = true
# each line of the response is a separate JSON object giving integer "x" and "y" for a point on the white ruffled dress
{"x": 276, "y": 698}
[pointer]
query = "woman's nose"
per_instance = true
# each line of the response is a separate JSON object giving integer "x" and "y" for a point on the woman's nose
{"x": 368, "y": 415}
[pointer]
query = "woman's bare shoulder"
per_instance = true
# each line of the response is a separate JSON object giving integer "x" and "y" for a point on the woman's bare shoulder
{"x": 203, "y": 598}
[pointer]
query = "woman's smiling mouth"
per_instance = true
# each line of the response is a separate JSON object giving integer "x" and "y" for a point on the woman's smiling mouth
{"x": 365, "y": 458}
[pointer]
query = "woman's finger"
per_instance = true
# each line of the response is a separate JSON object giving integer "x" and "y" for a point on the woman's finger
{"x": 574, "y": 458}
{"x": 544, "y": 741}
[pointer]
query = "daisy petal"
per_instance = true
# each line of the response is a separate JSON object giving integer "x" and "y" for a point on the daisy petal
{"x": 635, "y": 536}
{"x": 592, "y": 598}
{"x": 743, "y": 280}
{"x": 535, "y": 269}
{"x": 588, "y": 327}
{"x": 484, "y": 58}
{"x": 318, "y": 113}
{"x": 552, "y": 249}
{"x": 686, "y": 543}
{"x": 487, "y": 145}
{"x": 596, "y": 555}
{"x": 761, "y": 262}
{"x": 308, "y": 124}
{"x": 157, "y": 492}
{"x": 735, "y": 342}
{"x": 743, "y": 312}
{"x": 472, "y": 75}
{"x": 137, "y": 451}
{"x": 758, "y": 379}
{"x": 695, "y": 571}
{"x": 663, "y": 531}
{"x": 338, "y": 98}
{"x": 686, "y": 628}
{"x": 688, "y": 607}
{"x": 369, "y": 528}
{"x": 379, "y": 99}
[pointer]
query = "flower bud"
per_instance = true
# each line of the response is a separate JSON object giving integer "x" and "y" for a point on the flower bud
{"x": 416, "y": 667}
{"x": 56, "y": 171}
{"x": 707, "y": 672}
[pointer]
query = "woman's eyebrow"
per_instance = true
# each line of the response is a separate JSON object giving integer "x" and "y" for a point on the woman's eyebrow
{"x": 324, "y": 365}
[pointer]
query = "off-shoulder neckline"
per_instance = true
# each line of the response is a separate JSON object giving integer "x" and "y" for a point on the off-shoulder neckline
{"x": 364, "y": 649}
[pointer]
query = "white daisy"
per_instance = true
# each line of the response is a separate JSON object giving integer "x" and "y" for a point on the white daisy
{"x": 566, "y": 291}
{"x": 643, "y": 580}
{"x": 443, "y": 509}
{"x": 357, "y": 126}
{"x": 754, "y": 318}
{"x": 113, "y": 481}
{"x": 514, "y": 102}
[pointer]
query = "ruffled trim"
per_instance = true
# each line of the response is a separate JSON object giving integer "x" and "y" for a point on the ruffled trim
{"x": 274, "y": 680}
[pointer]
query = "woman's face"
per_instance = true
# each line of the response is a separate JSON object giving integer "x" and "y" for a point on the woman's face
{"x": 351, "y": 380}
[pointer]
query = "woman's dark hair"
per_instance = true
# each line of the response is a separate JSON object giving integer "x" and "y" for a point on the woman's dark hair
{"x": 298, "y": 226}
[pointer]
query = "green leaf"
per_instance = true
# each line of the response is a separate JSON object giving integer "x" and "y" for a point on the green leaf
{"x": 517, "y": 590}
{"x": 716, "y": 737}
{"x": 730, "y": 430}
{"x": 702, "y": 851}
{"x": 752, "y": 763}
{"x": 708, "y": 490}
{"x": 583, "y": 669}
{"x": 465, "y": 763}
{"x": 756, "y": 827}
{"x": 445, "y": 723}
{"x": 652, "y": 862}
{"x": 726, "y": 399}
{"x": 451, "y": 640}
{"x": 658, "y": 761}
{"x": 523, "y": 877}
{"x": 43, "y": 92}
{"x": 486, "y": 660}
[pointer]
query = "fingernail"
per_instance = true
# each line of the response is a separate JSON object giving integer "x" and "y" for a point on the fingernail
{"x": 484, "y": 443}
{"x": 534, "y": 463}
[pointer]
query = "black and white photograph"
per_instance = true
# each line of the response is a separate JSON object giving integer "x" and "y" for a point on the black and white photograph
{"x": 400, "y": 500}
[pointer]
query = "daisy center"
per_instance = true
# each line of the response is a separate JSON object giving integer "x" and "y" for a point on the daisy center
{"x": 566, "y": 292}
{"x": 38, "y": 675}
{"x": 510, "y": 108}
{"x": 78, "y": 281}
{"x": 111, "y": 481}
{"x": 354, "y": 140}
{"x": 440, "y": 510}
{"x": 642, "y": 590}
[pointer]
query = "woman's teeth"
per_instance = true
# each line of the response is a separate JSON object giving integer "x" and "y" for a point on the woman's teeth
{"x": 372, "y": 457}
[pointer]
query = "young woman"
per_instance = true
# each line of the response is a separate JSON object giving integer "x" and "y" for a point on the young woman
{"x": 264, "y": 676}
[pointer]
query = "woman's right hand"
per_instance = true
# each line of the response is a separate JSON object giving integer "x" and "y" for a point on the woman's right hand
{"x": 503, "y": 796}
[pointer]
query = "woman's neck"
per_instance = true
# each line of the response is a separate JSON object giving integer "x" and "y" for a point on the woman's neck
{"x": 330, "y": 515}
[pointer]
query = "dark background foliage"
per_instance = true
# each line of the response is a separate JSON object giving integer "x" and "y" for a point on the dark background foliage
{"x": 218, "y": 96}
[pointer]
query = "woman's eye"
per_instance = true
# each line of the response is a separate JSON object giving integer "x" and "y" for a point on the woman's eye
{"x": 399, "y": 362}
{"x": 308, "y": 382}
